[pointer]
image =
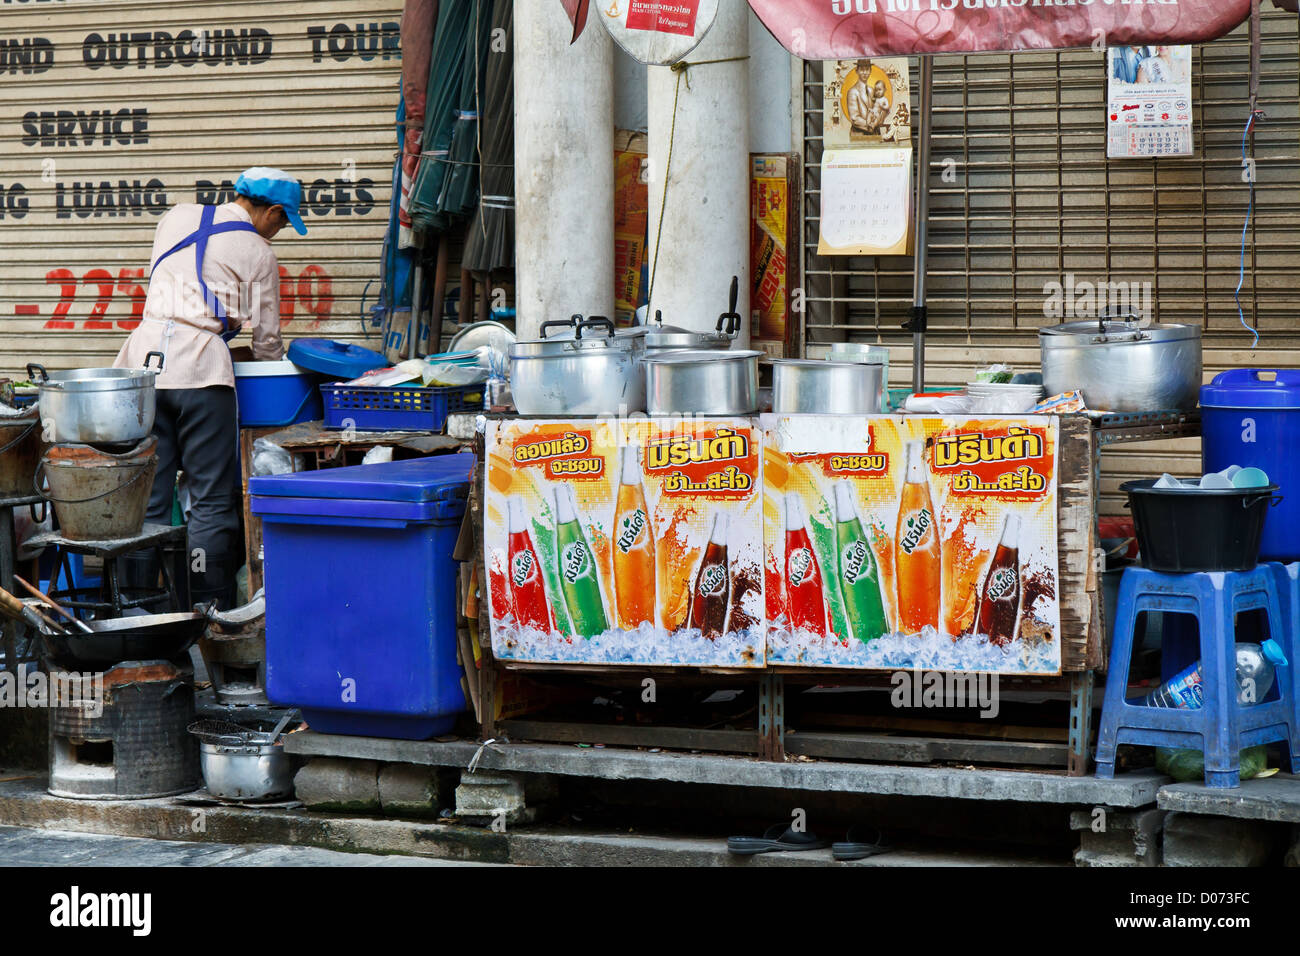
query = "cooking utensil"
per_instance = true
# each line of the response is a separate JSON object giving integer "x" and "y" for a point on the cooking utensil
{"x": 702, "y": 382}
{"x": 487, "y": 332}
{"x": 663, "y": 338}
{"x": 573, "y": 373}
{"x": 97, "y": 405}
{"x": 811, "y": 386}
{"x": 20, "y": 450}
{"x": 144, "y": 638}
{"x": 1004, "y": 399}
{"x": 36, "y": 592}
{"x": 21, "y": 612}
{"x": 240, "y": 763}
{"x": 1122, "y": 366}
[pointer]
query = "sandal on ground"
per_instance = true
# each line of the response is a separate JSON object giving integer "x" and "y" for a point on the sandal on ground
{"x": 776, "y": 838}
{"x": 861, "y": 842}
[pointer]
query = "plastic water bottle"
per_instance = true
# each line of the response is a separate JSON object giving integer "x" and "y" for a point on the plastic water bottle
{"x": 1256, "y": 668}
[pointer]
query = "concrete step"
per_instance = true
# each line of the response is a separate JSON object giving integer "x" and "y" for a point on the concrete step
{"x": 221, "y": 831}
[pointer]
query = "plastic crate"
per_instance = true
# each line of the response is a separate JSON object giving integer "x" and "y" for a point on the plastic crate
{"x": 397, "y": 408}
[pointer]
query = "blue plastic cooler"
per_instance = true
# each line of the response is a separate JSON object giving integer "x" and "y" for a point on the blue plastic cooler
{"x": 361, "y": 594}
{"x": 1251, "y": 417}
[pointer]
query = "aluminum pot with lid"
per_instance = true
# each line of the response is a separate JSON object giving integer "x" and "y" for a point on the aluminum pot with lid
{"x": 574, "y": 372}
{"x": 1121, "y": 365}
{"x": 97, "y": 405}
{"x": 664, "y": 338}
{"x": 813, "y": 386}
{"x": 702, "y": 382}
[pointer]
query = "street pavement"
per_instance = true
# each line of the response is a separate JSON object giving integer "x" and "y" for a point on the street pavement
{"x": 20, "y": 846}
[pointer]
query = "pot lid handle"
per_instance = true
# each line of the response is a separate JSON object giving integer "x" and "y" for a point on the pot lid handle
{"x": 33, "y": 368}
{"x": 560, "y": 323}
{"x": 731, "y": 318}
{"x": 595, "y": 322}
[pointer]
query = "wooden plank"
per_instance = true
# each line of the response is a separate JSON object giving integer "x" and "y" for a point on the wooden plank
{"x": 1076, "y": 523}
{"x": 900, "y": 749}
{"x": 985, "y": 729}
{"x": 621, "y": 735}
{"x": 252, "y": 523}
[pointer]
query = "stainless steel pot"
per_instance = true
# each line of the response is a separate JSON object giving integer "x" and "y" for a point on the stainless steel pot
{"x": 702, "y": 383}
{"x": 576, "y": 374}
{"x": 97, "y": 405}
{"x": 830, "y": 388}
{"x": 669, "y": 338}
{"x": 1121, "y": 366}
{"x": 246, "y": 771}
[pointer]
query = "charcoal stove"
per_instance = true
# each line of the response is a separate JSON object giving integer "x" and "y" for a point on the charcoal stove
{"x": 131, "y": 742}
{"x": 234, "y": 652}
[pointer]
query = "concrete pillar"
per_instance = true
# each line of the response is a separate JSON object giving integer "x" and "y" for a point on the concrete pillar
{"x": 705, "y": 235}
{"x": 564, "y": 168}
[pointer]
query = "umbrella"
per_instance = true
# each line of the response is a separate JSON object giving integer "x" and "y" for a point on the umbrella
{"x": 490, "y": 244}
{"x": 445, "y": 66}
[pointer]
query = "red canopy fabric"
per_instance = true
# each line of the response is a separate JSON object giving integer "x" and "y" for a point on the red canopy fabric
{"x": 838, "y": 29}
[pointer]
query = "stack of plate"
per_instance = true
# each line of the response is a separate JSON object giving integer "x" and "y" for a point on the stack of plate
{"x": 988, "y": 398}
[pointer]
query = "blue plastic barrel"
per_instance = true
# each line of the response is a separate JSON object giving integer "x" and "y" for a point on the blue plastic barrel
{"x": 1251, "y": 417}
{"x": 361, "y": 594}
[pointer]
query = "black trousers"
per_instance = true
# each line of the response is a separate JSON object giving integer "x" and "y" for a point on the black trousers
{"x": 198, "y": 433}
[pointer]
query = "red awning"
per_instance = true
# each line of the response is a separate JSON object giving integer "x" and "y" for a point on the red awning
{"x": 838, "y": 29}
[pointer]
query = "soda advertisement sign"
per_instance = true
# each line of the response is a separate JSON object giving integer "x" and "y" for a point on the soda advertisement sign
{"x": 625, "y": 542}
{"x": 899, "y": 542}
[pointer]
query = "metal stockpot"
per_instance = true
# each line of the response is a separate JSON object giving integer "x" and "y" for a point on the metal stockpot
{"x": 702, "y": 383}
{"x": 575, "y": 375}
{"x": 97, "y": 405}
{"x": 831, "y": 388}
{"x": 670, "y": 338}
{"x": 246, "y": 771}
{"x": 1121, "y": 366}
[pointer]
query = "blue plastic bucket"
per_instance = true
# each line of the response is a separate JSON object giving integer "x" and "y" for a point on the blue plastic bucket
{"x": 1251, "y": 417}
{"x": 361, "y": 594}
{"x": 276, "y": 393}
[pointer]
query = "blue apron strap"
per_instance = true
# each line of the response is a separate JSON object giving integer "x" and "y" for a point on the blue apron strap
{"x": 199, "y": 239}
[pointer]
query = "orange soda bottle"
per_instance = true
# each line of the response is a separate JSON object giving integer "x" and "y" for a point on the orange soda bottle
{"x": 917, "y": 557}
{"x": 634, "y": 547}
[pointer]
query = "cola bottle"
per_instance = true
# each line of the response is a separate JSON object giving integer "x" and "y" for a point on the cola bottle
{"x": 805, "y": 601}
{"x": 712, "y": 589}
{"x": 532, "y": 608}
{"x": 999, "y": 602}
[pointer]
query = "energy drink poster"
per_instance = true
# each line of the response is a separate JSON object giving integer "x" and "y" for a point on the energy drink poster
{"x": 899, "y": 542}
{"x": 625, "y": 542}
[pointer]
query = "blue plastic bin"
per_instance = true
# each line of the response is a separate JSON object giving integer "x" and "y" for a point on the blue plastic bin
{"x": 276, "y": 393}
{"x": 1251, "y": 417}
{"x": 361, "y": 594}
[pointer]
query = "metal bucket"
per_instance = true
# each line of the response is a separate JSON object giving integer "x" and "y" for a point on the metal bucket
{"x": 97, "y": 495}
{"x": 20, "y": 453}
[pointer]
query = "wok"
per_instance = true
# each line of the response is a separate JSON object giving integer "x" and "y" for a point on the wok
{"x": 148, "y": 637}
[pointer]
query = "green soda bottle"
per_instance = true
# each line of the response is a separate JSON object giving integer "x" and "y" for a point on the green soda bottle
{"x": 859, "y": 574}
{"x": 578, "y": 577}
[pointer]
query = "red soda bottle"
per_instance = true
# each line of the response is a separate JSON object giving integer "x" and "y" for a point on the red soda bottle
{"x": 711, "y": 593}
{"x": 999, "y": 602}
{"x": 527, "y": 589}
{"x": 803, "y": 576}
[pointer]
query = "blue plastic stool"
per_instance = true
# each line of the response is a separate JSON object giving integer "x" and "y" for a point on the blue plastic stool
{"x": 1219, "y": 727}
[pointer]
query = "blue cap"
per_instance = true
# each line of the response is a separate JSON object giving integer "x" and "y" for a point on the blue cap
{"x": 276, "y": 187}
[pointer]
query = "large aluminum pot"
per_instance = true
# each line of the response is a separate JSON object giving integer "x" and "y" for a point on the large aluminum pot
{"x": 1121, "y": 366}
{"x": 702, "y": 383}
{"x": 576, "y": 374}
{"x": 812, "y": 386}
{"x": 669, "y": 338}
{"x": 94, "y": 406}
{"x": 246, "y": 771}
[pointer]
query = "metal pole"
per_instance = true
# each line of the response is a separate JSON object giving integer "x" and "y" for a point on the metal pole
{"x": 918, "y": 322}
{"x": 413, "y": 325}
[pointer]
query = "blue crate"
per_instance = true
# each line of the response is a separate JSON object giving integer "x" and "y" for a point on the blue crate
{"x": 397, "y": 408}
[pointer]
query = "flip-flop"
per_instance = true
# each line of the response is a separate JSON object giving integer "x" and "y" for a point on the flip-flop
{"x": 776, "y": 838}
{"x": 861, "y": 842}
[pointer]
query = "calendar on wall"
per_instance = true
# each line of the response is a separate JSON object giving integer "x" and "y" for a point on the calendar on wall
{"x": 866, "y": 202}
{"x": 1149, "y": 101}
